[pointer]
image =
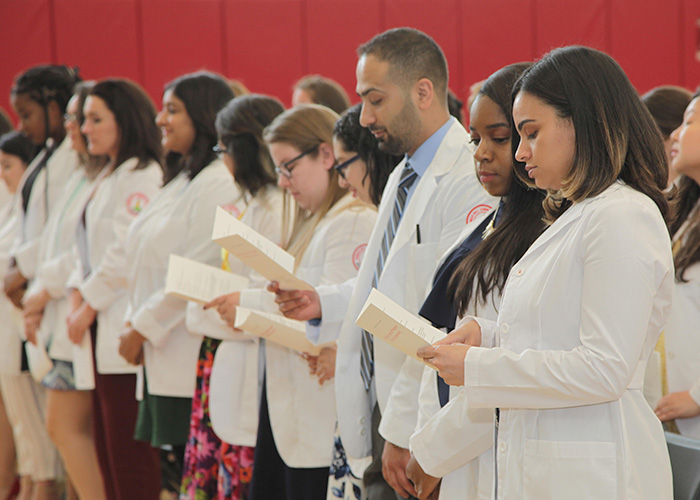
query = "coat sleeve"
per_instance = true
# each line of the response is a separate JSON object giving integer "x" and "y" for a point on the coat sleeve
{"x": 161, "y": 313}
{"x": 627, "y": 285}
{"x": 108, "y": 277}
{"x": 456, "y": 197}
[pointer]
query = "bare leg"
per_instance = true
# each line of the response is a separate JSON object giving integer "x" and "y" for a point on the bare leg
{"x": 8, "y": 469}
{"x": 45, "y": 490}
{"x": 69, "y": 422}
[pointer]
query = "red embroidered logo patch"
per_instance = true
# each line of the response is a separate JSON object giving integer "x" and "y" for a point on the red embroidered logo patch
{"x": 136, "y": 202}
{"x": 357, "y": 255}
{"x": 477, "y": 211}
{"x": 232, "y": 209}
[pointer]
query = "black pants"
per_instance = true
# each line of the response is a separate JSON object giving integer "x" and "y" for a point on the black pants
{"x": 272, "y": 479}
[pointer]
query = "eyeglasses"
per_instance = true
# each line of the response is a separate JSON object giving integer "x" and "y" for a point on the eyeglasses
{"x": 220, "y": 150}
{"x": 70, "y": 117}
{"x": 340, "y": 168}
{"x": 284, "y": 168}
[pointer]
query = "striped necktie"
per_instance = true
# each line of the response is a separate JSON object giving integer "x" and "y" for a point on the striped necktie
{"x": 408, "y": 177}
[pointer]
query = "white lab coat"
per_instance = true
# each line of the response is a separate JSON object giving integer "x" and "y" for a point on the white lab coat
{"x": 116, "y": 202}
{"x": 456, "y": 442}
{"x": 580, "y": 313}
{"x": 683, "y": 345}
{"x": 302, "y": 413}
{"x": 178, "y": 221}
{"x": 11, "y": 327}
{"x": 57, "y": 258}
{"x": 446, "y": 197}
{"x": 233, "y": 387}
{"x": 46, "y": 191}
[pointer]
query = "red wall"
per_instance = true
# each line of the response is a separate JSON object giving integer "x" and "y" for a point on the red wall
{"x": 269, "y": 44}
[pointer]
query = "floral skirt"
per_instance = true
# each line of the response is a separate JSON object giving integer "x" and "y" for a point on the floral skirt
{"x": 342, "y": 483}
{"x": 212, "y": 469}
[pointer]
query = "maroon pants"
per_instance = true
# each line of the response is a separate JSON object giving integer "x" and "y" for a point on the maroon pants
{"x": 130, "y": 468}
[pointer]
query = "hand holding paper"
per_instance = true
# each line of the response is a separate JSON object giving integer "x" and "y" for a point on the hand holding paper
{"x": 274, "y": 328}
{"x": 385, "y": 319}
{"x": 256, "y": 251}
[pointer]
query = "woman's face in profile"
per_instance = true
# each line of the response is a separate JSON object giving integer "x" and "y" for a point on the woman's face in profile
{"x": 354, "y": 176}
{"x": 685, "y": 148}
{"x": 547, "y": 141}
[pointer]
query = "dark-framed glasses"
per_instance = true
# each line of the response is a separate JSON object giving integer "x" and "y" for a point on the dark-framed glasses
{"x": 70, "y": 117}
{"x": 341, "y": 167}
{"x": 286, "y": 167}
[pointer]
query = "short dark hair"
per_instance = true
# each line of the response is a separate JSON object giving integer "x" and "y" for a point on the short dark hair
{"x": 358, "y": 139}
{"x": 14, "y": 143}
{"x": 203, "y": 94}
{"x": 325, "y": 92}
{"x": 411, "y": 55}
{"x": 616, "y": 137}
{"x": 46, "y": 83}
{"x": 667, "y": 105}
{"x": 240, "y": 126}
{"x": 135, "y": 115}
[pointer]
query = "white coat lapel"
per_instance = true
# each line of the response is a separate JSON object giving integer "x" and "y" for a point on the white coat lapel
{"x": 445, "y": 158}
{"x": 564, "y": 221}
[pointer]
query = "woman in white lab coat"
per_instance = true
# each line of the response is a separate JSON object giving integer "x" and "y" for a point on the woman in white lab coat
{"x": 119, "y": 123}
{"x": 39, "y": 96}
{"x": 177, "y": 221}
{"x": 225, "y": 404}
{"x": 68, "y": 411}
{"x": 16, "y": 152}
{"x": 297, "y": 415}
{"x": 682, "y": 343}
{"x": 469, "y": 281}
{"x": 581, "y": 311}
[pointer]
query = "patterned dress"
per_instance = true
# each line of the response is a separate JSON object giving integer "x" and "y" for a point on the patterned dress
{"x": 213, "y": 469}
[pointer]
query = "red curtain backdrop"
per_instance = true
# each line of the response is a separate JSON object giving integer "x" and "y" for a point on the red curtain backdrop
{"x": 269, "y": 44}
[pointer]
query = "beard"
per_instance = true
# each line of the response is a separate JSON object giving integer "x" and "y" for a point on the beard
{"x": 404, "y": 130}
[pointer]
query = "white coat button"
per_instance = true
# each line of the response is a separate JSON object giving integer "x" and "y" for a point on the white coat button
{"x": 363, "y": 420}
{"x": 362, "y": 432}
{"x": 504, "y": 328}
{"x": 502, "y": 448}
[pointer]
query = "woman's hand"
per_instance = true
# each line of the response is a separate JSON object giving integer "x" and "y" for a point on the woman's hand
{"x": 226, "y": 307}
{"x": 15, "y": 285}
{"x": 31, "y": 326}
{"x": 427, "y": 486}
{"x": 35, "y": 302}
{"x": 79, "y": 322}
{"x": 448, "y": 359}
{"x": 301, "y": 305}
{"x": 131, "y": 346}
{"x": 676, "y": 405}
{"x": 469, "y": 333}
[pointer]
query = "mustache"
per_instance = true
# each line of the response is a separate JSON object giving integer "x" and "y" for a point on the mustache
{"x": 374, "y": 128}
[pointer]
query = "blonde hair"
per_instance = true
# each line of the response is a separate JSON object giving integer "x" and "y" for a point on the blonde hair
{"x": 304, "y": 127}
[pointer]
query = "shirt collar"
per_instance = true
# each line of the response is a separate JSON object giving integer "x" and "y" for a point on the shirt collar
{"x": 421, "y": 159}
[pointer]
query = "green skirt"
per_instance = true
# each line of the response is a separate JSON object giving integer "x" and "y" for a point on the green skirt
{"x": 163, "y": 419}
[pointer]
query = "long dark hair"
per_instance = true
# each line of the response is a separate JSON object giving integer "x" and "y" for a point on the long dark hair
{"x": 203, "y": 94}
{"x": 520, "y": 223}
{"x": 93, "y": 164}
{"x": 135, "y": 115}
{"x": 358, "y": 139}
{"x": 616, "y": 136}
{"x": 240, "y": 127}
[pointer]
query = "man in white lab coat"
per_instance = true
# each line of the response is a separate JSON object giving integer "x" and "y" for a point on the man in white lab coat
{"x": 430, "y": 196}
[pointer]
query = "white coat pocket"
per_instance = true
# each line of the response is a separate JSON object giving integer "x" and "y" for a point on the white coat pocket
{"x": 571, "y": 470}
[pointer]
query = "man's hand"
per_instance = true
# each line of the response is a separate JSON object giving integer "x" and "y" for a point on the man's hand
{"x": 394, "y": 462}
{"x": 427, "y": 486}
{"x": 301, "y": 305}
